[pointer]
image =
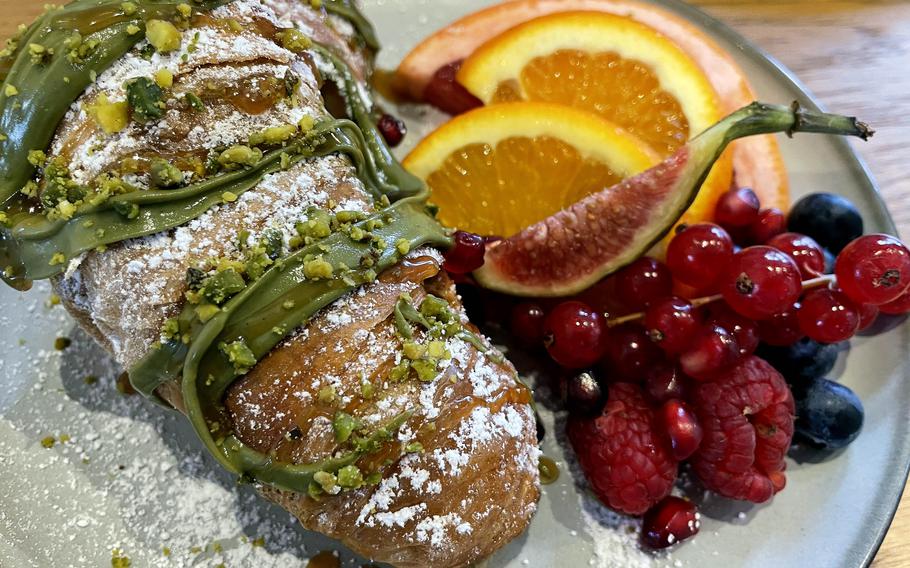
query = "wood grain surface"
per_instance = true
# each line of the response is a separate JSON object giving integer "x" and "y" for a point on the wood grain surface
{"x": 855, "y": 57}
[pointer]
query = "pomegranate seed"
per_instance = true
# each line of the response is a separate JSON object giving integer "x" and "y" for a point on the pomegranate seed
{"x": 699, "y": 253}
{"x": 643, "y": 282}
{"x": 868, "y": 314}
{"x": 630, "y": 352}
{"x": 896, "y": 307}
{"x": 744, "y": 330}
{"x": 526, "y": 323}
{"x": 583, "y": 394}
{"x": 770, "y": 223}
{"x": 827, "y": 316}
{"x": 670, "y": 323}
{"x": 712, "y": 349}
{"x": 466, "y": 255}
{"x": 737, "y": 209}
{"x": 671, "y": 521}
{"x": 760, "y": 282}
{"x": 808, "y": 254}
{"x": 446, "y": 93}
{"x": 664, "y": 381}
{"x": 574, "y": 335}
{"x": 873, "y": 269}
{"x": 781, "y": 329}
{"x": 682, "y": 428}
{"x": 393, "y": 129}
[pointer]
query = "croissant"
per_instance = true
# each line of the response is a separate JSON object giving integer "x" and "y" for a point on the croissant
{"x": 204, "y": 185}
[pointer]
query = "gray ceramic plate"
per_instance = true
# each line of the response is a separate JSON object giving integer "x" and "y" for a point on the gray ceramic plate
{"x": 130, "y": 477}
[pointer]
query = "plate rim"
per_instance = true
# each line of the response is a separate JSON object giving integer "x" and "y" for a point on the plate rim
{"x": 759, "y": 55}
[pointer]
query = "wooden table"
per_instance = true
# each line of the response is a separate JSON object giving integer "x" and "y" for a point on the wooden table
{"x": 855, "y": 56}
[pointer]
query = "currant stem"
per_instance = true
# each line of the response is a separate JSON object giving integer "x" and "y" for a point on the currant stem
{"x": 826, "y": 280}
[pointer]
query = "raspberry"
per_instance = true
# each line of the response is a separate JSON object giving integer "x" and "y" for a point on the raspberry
{"x": 627, "y": 462}
{"x": 747, "y": 415}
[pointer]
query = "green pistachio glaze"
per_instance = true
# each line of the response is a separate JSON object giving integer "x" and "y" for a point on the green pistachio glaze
{"x": 268, "y": 308}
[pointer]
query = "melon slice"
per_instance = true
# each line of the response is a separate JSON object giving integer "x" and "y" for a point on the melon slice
{"x": 574, "y": 248}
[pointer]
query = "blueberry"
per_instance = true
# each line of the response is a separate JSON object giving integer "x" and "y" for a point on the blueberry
{"x": 583, "y": 394}
{"x": 829, "y": 219}
{"x": 801, "y": 362}
{"x": 828, "y": 414}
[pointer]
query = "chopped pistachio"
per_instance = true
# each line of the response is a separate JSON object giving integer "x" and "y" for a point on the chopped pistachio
{"x": 306, "y": 123}
{"x": 57, "y": 259}
{"x": 274, "y": 135}
{"x": 240, "y": 355}
{"x": 414, "y": 448}
{"x": 413, "y": 350}
{"x": 403, "y": 246}
{"x": 400, "y": 371}
{"x": 205, "y": 312}
{"x": 350, "y": 477}
{"x": 327, "y": 481}
{"x": 343, "y": 425}
{"x": 164, "y": 174}
{"x": 326, "y": 394}
{"x": 317, "y": 268}
{"x": 294, "y": 40}
{"x": 37, "y": 157}
{"x": 240, "y": 155}
{"x": 222, "y": 285}
{"x": 11, "y": 91}
{"x": 229, "y": 196}
{"x": 314, "y": 490}
{"x": 373, "y": 479}
{"x": 163, "y": 35}
{"x": 367, "y": 389}
{"x": 426, "y": 370}
{"x": 90, "y": 380}
{"x": 437, "y": 350}
{"x": 48, "y": 442}
{"x": 110, "y": 116}
{"x": 170, "y": 329}
{"x": 119, "y": 560}
{"x": 316, "y": 4}
{"x": 194, "y": 101}
{"x": 164, "y": 78}
{"x": 133, "y": 29}
{"x": 145, "y": 98}
{"x": 4, "y": 220}
{"x": 185, "y": 10}
{"x": 128, "y": 210}
{"x": 129, "y": 8}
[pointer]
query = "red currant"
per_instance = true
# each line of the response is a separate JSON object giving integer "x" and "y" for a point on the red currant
{"x": 736, "y": 209}
{"x": 712, "y": 349}
{"x": 671, "y": 521}
{"x": 574, "y": 335}
{"x": 770, "y": 223}
{"x": 446, "y": 93}
{"x": 896, "y": 307}
{"x": 699, "y": 253}
{"x": 670, "y": 323}
{"x": 781, "y": 329}
{"x": 642, "y": 282}
{"x": 808, "y": 254}
{"x": 466, "y": 255}
{"x": 744, "y": 330}
{"x": 760, "y": 282}
{"x": 682, "y": 428}
{"x": 392, "y": 129}
{"x": 630, "y": 352}
{"x": 664, "y": 381}
{"x": 827, "y": 316}
{"x": 527, "y": 323}
{"x": 873, "y": 269}
{"x": 868, "y": 314}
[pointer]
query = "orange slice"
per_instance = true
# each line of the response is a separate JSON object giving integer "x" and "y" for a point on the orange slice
{"x": 501, "y": 168}
{"x": 757, "y": 160}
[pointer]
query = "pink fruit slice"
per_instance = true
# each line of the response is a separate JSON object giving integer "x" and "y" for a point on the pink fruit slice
{"x": 571, "y": 250}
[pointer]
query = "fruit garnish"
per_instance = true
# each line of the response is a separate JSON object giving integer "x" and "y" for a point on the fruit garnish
{"x": 670, "y": 522}
{"x": 627, "y": 461}
{"x": 808, "y": 254}
{"x": 629, "y": 353}
{"x": 573, "y": 249}
{"x": 609, "y": 65}
{"x": 757, "y": 161}
{"x": 670, "y": 323}
{"x": 497, "y": 170}
{"x": 801, "y": 361}
{"x": 828, "y": 218}
{"x": 584, "y": 395}
{"x": 695, "y": 254}
{"x": 829, "y": 414}
{"x": 828, "y": 316}
{"x": 526, "y": 323}
{"x": 466, "y": 254}
{"x": 874, "y": 269}
{"x": 711, "y": 350}
{"x": 760, "y": 282}
{"x": 682, "y": 428}
{"x": 574, "y": 335}
{"x": 748, "y": 412}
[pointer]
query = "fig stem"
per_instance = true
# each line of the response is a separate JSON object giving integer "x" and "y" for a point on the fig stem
{"x": 763, "y": 118}
{"x": 697, "y": 302}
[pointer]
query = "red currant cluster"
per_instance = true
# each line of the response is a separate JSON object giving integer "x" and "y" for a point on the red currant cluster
{"x": 664, "y": 341}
